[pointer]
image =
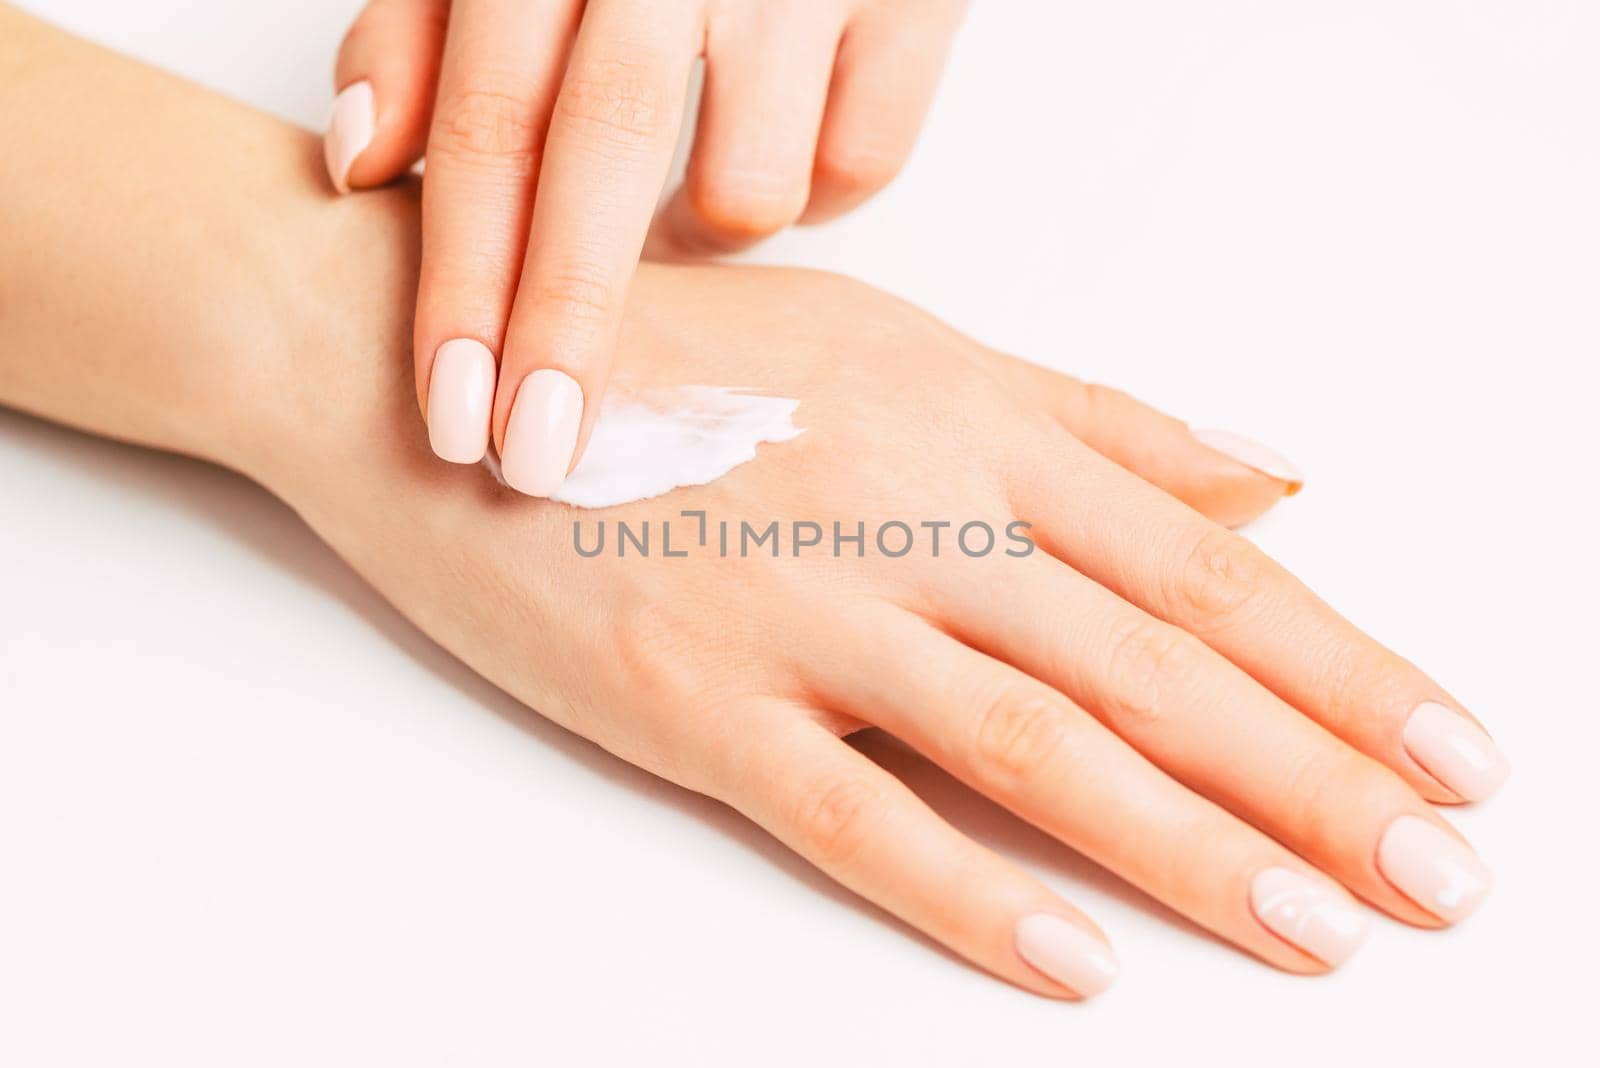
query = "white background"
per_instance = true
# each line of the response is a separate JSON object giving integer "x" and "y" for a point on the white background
{"x": 249, "y": 816}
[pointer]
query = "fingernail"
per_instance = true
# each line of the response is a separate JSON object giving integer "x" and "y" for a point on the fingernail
{"x": 1433, "y": 869}
{"x": 460, "y": 395}
{"x": 1066, "y": 953}
{"x": 542, "y": 433}
{"x": 1253, "y": 454}
{"x": 1455, "y": 751}
{"x": 1310, "y": 914}
{"x": 350, "y": 130}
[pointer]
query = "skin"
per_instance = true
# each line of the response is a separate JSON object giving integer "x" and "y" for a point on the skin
{"x": 549, "y": 128}
{"x": 1148, "y": 687}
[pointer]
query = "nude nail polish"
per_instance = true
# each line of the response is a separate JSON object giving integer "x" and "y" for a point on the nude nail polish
{"x": 542, "y": 433}
{"x": 1252, "y": 453}
{"x": 1455, "y": 751}
{"x": 350, "y": 129}
{"x": 1066, "y": 953}
{"x": 1310, "y": 914}
{"x": 1433, "y": 868}
{"x": 460, "y": 397}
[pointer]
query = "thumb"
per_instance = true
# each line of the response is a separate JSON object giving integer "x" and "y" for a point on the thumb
{"x": 1227, "y": 477}
{"x": 386, "y": 74}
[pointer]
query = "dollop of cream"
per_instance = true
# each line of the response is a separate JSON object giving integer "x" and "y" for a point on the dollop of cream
{"x": 647, "y": 443}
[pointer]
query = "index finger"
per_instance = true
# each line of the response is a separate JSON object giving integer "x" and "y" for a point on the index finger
{"x": 606, "y": 158}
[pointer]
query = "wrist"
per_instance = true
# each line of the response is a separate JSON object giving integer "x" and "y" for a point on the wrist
{"x": 170, "y": 261}
{"x": 332, "y": 374}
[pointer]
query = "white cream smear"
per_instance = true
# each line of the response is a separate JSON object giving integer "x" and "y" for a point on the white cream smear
{"x": 646, "y": 443}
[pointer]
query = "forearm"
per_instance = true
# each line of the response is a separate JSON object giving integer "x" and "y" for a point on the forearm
{"x": 167, "y": 255}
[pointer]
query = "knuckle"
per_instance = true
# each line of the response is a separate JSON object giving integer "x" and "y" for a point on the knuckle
{"x": 746, "y": 208}
{"x": 1019, "y": 737}
{"x": 858, "y": 168}
{"x": 1148, "y": 660}
{"x": 485, "y": 128}
{"x": 1342, "y": 684}
{"x": 1218, "y": 577}
{"x": 652, "y": 648}
{"x": 1314, "y": 782}
{"x": 575, "y": 293}
{"x": 620, "y": 101}
{"x": 1357, "y": 685}
{"x": 641, "y": 638}
{"x": 836, "y": 819}
{"x": 1105, "y": 406}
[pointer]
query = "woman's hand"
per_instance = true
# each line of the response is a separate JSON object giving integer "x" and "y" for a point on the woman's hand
{"x": 1146, "y": 686}
{"x": 549, "y": 127}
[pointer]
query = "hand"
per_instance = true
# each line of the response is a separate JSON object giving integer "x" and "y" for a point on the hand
{"x": 549, "y": 127}
{"x": 1146, "y": 686}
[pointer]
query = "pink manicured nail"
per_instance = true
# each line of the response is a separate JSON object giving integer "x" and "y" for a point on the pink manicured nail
{"x": 542, "y": 433}
{"x": 350, "y": 130}
{"x": 1433, "y": 869}
{"x": 1066, "y": 953}
{"x": 1310, "y": 914}
{"x": 1455, "y": 751}
{"x": 460, "y": 395}
{"x": 1253, "y": 454}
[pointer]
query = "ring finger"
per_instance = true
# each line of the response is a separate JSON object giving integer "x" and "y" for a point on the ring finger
{"x": 767, "y": 72}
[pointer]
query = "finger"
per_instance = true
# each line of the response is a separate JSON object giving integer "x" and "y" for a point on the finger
{"x": 1036, "y": 752}
{"x": 1178, "y": 566}
{"x": 387, "y": 71}
{"x": 1231, "y": 487}
{"x": 863, "y": 827}
{"x": 502, "y": 64}
{"x": 767, "y": 72}
{"x": 610, "y": 144}
{"x": 1219, "y": 732}
{"x": 884, "y": 80}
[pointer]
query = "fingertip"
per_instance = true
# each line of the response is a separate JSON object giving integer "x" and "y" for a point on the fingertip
{"x": 1254, "y": 455}
{"x": 541, "y": 435}
{"x": 460, "y": 396}
{"x": 1228, "y": 493}
{"x": 1233, "y": 479}
{"x": 1310, "y": 914}
{"x": 1218, "y": 474}
{"x": 352, "y": 123}
{"x": 1433, "y": 868}
{"x": 1456, "y": 751}
{"x": 1067, "y": 954}
{"x": 387, "y": 71}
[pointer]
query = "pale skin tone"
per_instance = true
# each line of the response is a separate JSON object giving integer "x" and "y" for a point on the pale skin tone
{"x": 549, "y": 127}
{"x": 1148, "y": 687}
